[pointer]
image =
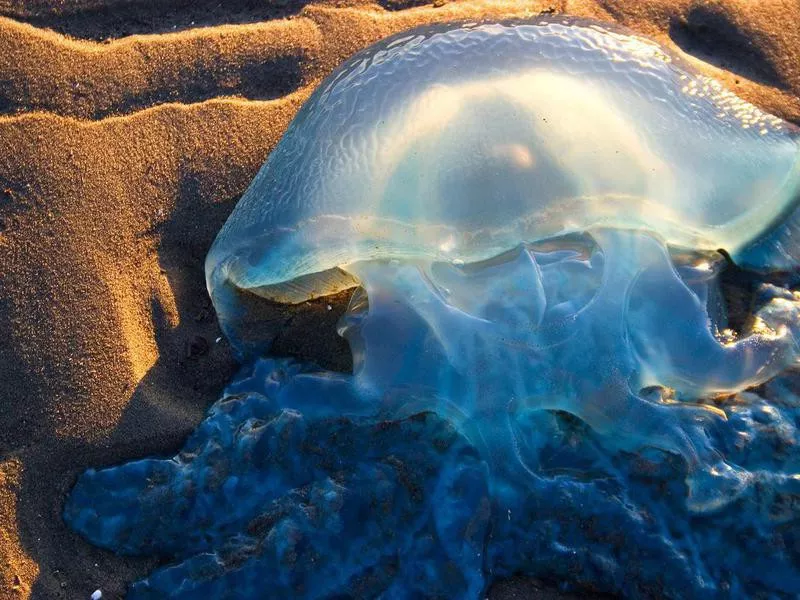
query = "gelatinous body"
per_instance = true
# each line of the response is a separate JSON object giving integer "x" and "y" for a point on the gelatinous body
{"x": 457, "y": 143}
{"x": 543, "y": 381}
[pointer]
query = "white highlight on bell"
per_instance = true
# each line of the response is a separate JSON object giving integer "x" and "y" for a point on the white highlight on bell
{"x": 616, "y": 158}
{"x": 448, "y": 244}
{"x": 703, "y": 266}
{"x": 518, "y": 155}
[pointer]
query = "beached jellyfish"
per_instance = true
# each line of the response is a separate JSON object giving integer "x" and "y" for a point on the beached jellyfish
{"x": 544, "y": 380}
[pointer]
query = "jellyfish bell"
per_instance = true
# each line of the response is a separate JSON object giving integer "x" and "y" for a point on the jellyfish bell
{"x": 458, "y": 143}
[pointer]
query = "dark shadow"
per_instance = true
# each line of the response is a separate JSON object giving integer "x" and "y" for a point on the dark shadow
{"x": 610, "y": 6}
{"x": 403, "y": 4}
{"x": 116, "y": 19}
{"x": 262, "y": 81}
{"x": 710, "y": 35}
{"x": 738, "y": 288}
{"x": 740, "y": 291}
{"x": 251, "y": 81}
{"x": 307, "y": 331}
{"x": 527, "y": 588}
{"x": 6, "y": 104}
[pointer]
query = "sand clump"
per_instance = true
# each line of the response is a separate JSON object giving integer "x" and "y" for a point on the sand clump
{"x": 129, "y": 130}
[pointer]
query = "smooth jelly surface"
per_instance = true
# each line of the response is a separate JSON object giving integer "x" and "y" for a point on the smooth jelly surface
{"x": 544, "y": 380}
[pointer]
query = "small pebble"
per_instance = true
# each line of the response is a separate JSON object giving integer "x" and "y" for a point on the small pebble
{"x": 97, "y": 594}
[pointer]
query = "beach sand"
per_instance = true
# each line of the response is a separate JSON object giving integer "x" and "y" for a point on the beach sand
{"x": 128, "y": 130}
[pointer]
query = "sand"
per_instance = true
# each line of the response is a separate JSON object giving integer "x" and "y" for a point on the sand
{"x": 128, "y": 129}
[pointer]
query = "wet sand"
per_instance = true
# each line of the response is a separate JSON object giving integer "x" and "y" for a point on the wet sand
{"x": 128, "y": 130}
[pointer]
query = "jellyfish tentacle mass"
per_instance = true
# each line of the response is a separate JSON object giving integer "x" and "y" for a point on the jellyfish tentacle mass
{"x": 544, "y": 377}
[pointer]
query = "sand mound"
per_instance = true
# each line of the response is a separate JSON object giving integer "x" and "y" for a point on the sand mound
{"x": 129, "y": 130}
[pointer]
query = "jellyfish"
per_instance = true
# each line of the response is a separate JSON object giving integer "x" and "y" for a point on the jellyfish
{"x": 534, "y": 217}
